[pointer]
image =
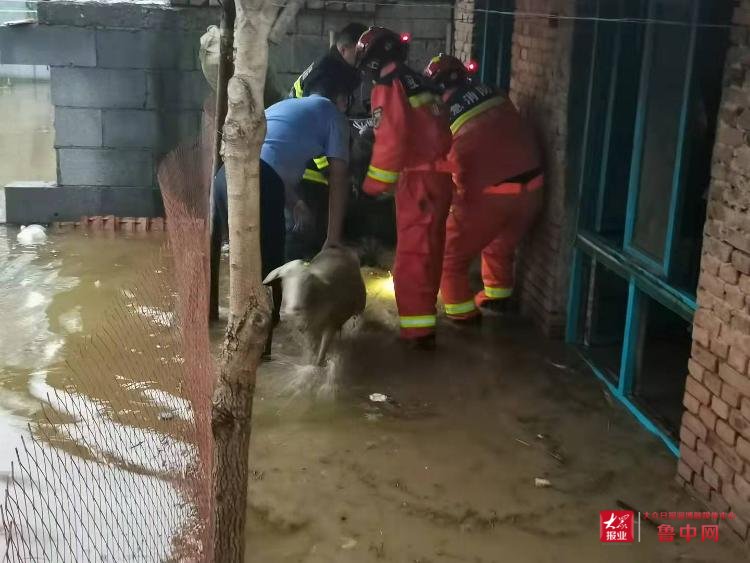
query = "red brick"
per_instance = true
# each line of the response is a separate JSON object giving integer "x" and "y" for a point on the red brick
{"x": 734, "y": 296}
{"x": 712, "y": 284}
{"x": 737, "y": 359}
{"x": 712, "y": 382}
{"x": 745, "y": 284}
{"x": 740, "y": 423}
{"x": 695, "y": 369}
{"x": 735, "y": 379}
{"x": 740, "y": 527}
{"x": 691, "y": 403}
{"x": 740, "y": 319}
{"x": 743, "y": 449}
{"x": 705, "y": 318}
{"x": 726, "y": 453}
{"x": 688, "y": 437}
{"x": 726, "y": 432}
{"x": 721, "y": 408}
{"x": 723, "y": 469}
{"x": 742, "y": 487}
{"x": 707, "y": 416}
{"x": 712, "y": 478}
{"x": 701, "y": 487}
{"x": 730, "y": 395}
{"x": 704, "y": 452}
{"x": 718, "y": 503}
{"x": 719, "y": 348}
{"x": 697, "y": 390}
{"x": 740, "y": 506}
{"x": 740, "y": 260}
{"x": 694, "y": 424}
{"x": 710, "y": 264}
{"x": 704, "y": 357}
{"x": 729, "y": 274}
{"x": 691, "y": 458}
{"x": 701, "y": 336}
{"x": 684, "y": 470}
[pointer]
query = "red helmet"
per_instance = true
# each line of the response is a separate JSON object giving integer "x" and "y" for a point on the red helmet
{"x": 379, "y": 46}
{"x": 446, "y": 70}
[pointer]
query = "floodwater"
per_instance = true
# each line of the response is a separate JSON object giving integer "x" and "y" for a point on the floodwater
{"x": 442, "y": 471}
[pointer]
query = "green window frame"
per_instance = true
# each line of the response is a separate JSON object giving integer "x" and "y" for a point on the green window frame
{"x": 493, "y": 40}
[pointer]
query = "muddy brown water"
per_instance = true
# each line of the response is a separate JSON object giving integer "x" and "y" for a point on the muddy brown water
{"x": 442, "y": 471}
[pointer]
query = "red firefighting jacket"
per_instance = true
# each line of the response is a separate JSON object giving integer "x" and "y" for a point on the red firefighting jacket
{"x": 411, "y": 128}
{"x": 491, "y": 141}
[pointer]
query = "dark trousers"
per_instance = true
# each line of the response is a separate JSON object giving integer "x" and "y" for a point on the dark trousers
{"x": 305, "y": 245}
{"x": 272, "y": 227}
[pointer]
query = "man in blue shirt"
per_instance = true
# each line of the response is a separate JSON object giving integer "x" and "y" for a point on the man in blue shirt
{"x": 296, "y": 131}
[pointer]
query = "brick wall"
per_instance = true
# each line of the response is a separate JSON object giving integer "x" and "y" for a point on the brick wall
{"x": 715, "y": 433}
{"x": 463, "y": 35}
{"x": 540, "y": 77}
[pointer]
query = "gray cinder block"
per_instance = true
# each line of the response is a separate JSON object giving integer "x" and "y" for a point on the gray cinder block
{"x": 175, "y": 89}
{"x": 98, "y": 88}
{"x": 105, "y": 167}
{"x": 47, "y": 45}
{"x": 146, "y": 49}
{"x": 78, "y": 127}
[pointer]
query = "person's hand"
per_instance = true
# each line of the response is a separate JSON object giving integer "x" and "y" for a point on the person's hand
{"x": 303, "y": 218}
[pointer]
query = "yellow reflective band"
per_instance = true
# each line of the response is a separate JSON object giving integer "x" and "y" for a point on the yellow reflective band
{"x": 321, "y": 162}
{"x": 498, "y": 292}
{"x": 425, "y": 321}
{"x": 435, "y": 59}
{"x": 385, "y": 176}
{"x": 460, "y": 308}
{"x": 419, "y": 100}
{"x": 473, "y": 112}
{"x": 298, "y": 91}
{"x": 314, "y": 176}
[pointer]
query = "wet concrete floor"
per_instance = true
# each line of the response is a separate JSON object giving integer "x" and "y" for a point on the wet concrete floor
{"x": 442, "y": 471}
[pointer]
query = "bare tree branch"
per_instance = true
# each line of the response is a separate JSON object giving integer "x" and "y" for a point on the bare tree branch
{"x": 285, "y": 19}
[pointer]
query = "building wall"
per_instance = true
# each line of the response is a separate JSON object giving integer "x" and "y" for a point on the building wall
{"x": 127, "y": 87}
{"x": 715, "y": 433}
{"x": 463, "y": 35}
{"x": 540, "y": 78}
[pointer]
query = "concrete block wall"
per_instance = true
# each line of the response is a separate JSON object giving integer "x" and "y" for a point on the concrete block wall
{"x": 127, "y": 87}
{"x": 715, "y": 433}
{"x": 540, "y": 79}
{"x": 429, "y": 26}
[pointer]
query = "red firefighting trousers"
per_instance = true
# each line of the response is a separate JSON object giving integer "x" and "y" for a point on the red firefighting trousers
{"x": 423, "y": 199}
{"x": 493, "y": 222}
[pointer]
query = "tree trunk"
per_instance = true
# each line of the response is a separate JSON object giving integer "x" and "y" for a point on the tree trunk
{"x": 249, "y": 304}
{"x": 226, "y": 69}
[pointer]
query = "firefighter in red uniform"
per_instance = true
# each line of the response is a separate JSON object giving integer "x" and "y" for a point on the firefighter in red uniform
{"x": 496, "y": 167}
{"x": 411, "y": 137}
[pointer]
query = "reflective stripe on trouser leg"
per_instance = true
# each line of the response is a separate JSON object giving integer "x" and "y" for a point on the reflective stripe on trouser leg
{"x": 422, "y": 202}
{"x": 498, "y": 292}
{"x": 461, "y": 310}
{"x": 423, "y": 321}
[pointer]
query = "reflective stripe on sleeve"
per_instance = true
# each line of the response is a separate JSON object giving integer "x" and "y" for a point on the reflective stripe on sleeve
{"x": 498, "y": 292}
{"x": 424, "y": 321}
{"x": 381, "y": 175}
{"x": 473, "y": 112}
{"x": 298, "y": 91}
{"x": 422, "y": 99}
